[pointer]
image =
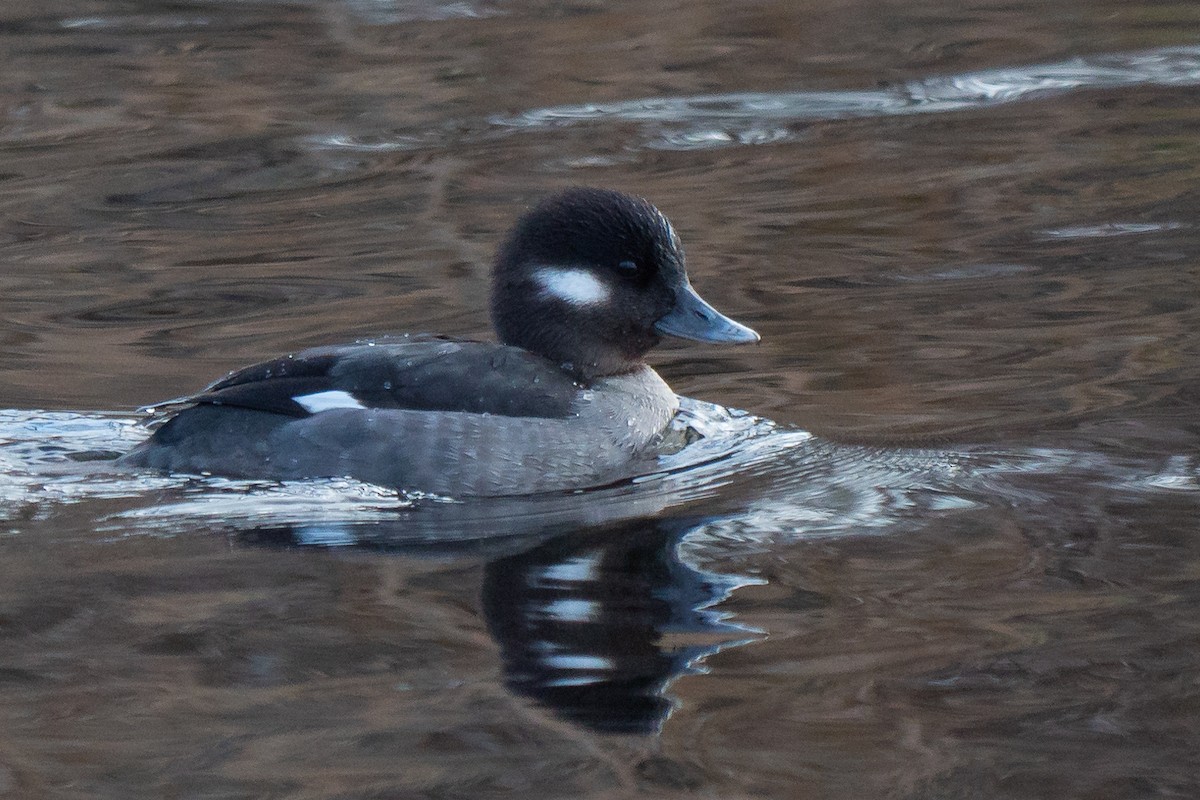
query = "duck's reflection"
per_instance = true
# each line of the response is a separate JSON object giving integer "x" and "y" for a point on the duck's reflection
{"x": 593, "y": 624}
{"x": 585, "y": 623}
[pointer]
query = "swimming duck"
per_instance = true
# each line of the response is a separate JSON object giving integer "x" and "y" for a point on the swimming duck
{"x": 585, "y": 285}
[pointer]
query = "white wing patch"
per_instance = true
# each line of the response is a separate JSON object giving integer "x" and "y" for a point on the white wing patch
{"x": 323, "y": 401}
{"x": 579, "y": 287}
{"x": 582, "y": 568}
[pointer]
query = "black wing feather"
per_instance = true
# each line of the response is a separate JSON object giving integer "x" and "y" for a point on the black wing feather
{"x": 421, "y": 373}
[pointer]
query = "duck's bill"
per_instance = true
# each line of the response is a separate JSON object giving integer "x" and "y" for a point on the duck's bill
{"x": 694, "y": 319}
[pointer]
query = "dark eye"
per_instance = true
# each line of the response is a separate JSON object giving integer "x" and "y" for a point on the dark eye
{"x": 628, "y": 268}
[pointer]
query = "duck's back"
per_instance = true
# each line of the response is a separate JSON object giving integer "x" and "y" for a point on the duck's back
{"x": 430, "y": 414}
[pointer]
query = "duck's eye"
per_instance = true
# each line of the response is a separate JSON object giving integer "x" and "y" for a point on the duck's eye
{"x": 628, "y": 268}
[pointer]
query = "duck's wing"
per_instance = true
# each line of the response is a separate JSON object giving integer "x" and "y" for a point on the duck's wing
{"x": 419, "y": 373}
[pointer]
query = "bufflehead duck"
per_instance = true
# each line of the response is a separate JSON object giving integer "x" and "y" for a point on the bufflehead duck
{"x": 586, "y": 284}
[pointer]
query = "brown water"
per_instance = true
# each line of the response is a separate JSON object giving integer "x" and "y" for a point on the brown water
{"x": 967, "y": 232}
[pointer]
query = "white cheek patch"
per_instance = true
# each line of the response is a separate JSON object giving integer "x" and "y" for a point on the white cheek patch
{"x": 323, "y": 401}
{"x": 571, "y": 610}
{"x": 579, "y": 287}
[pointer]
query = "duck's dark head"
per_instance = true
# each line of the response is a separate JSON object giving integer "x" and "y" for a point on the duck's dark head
{"x": 593, "y": 279}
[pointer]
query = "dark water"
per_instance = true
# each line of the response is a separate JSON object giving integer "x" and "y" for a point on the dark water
{"x": 960, "y": 560}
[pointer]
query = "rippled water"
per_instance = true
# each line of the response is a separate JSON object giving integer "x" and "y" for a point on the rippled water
{"x": 948, "y": 550}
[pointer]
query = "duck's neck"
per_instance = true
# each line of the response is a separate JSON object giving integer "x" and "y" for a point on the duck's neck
{"x": 568, "y": 344}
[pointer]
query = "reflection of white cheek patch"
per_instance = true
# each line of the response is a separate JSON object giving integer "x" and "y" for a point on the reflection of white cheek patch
{"x": 579, "y": 287}
{"x": 323, "y": 401}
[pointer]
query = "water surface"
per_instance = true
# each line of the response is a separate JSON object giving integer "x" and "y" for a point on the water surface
{"x": 948, "y": 550}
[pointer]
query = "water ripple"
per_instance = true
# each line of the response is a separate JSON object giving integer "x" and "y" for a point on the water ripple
{"x": 759, "y": 483}
{"x": 136, "y": 22}
{"x": 738, "y": 118}
{"x": 1112, "y": 229}
{"x": 392, "y": 12}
